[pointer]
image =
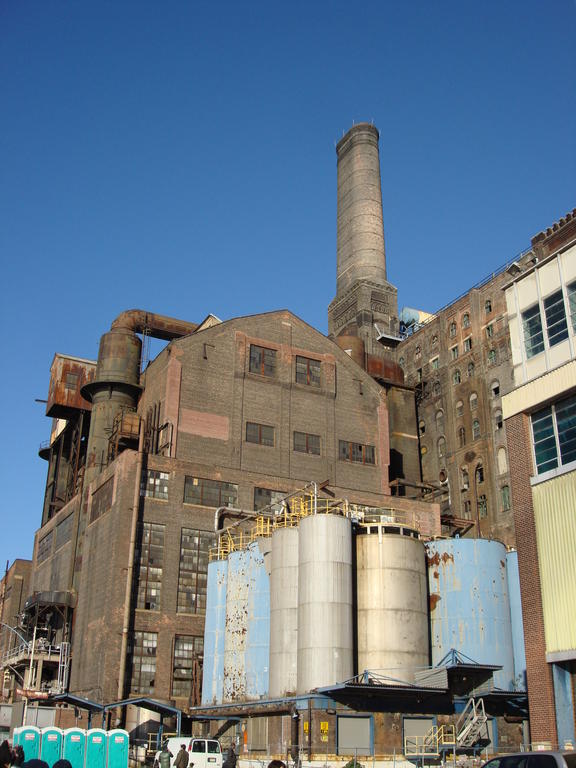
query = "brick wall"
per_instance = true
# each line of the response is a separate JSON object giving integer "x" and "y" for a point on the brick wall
{"x": 538, "y": 671}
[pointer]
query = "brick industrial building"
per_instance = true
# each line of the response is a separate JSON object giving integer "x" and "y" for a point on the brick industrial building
{"x": 243, "y": 414}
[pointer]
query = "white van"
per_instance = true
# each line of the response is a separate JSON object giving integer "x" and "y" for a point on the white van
{"x": 202, "y": 753}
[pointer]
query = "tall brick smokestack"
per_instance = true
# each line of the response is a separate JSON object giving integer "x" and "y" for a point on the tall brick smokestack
{"x": 360, "y": 236}
{"x": 366, "y": 305}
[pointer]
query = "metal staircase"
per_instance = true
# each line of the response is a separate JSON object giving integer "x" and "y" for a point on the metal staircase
{"x": 471, "y": 725}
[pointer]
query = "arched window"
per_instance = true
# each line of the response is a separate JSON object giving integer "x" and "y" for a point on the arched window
{"x": 479, "y": 474}
{"x": 488, "y": 306}
{"x": 417, "y": 353}
{"x": 502, "y": 461}
{"x": 495, "y": 388}
{"x": 456, "y": 376}
{"x": 434, "y": 340}
{"x": 492, "y": 357}
{"x": 422, "y": 427}
{"x": 505, "y": 496}
{"x": 473, "y": 401}
{"x": 452, "y": 329}
{"x": 440, "y": 421}
{"x": 464, "y": 479}
{"x": 401, "y": 361}
{"x": 459, "y": 408}
{"x": 498, "y": 419}
{"x": 461, "y": 437}
{"x": 466, "y": 320}
{"x": 470, "y": 370}
{"x": 475, "y": 429}
{"x": 441, "y": 447}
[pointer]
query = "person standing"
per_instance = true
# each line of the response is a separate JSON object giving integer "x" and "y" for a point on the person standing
{"x": 165, "y": 756}
{"x": 182, "y": 758}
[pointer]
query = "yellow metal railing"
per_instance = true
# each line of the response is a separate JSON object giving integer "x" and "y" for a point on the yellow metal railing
{"x": 431, "y": 742}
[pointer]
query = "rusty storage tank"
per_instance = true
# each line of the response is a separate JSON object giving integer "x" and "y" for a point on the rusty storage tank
{"x": 258, "y": 627}
{"x": 284, "y": 613}
{"x": 214, "y": 632}
{"x": 469, "y": 603}
{"x": 234, "y": 677}
{"x": 392, "y": 602}
{"x": 516, "y": 620}
{"x": 325, "y": 636}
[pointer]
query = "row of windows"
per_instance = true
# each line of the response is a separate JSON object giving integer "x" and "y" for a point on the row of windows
{"x": 263, "y": 362}
{"x": 547, "y": 321}
{"x": 63, "y": 536}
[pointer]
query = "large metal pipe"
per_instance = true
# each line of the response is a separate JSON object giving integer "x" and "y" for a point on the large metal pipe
{"x": 360, "y": 233}
{"x": 116, "y": 384}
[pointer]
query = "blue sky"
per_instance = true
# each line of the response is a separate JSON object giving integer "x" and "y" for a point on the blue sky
{"x": 179, "y": 157}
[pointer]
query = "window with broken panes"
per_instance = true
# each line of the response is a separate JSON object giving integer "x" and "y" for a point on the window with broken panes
{"x": 264, "y": 497}
{"x": 194, "y": 557}
{"x": 209, "y": 493}
{"x": 101, "y": 499}
{"x": 356, "y": 452}
{"x": 64, "y": 531}
{"x": 188, "y": 652}
{"x": 151, "y": 561}
{"x": 143, "y": 655}
{"x": 154, "y": 484}
{"x": 307, "y": 371}
{"x": 262, "y": 360}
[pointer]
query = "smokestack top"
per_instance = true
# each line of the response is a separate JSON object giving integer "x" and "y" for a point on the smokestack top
{"x": 359, "y": 133}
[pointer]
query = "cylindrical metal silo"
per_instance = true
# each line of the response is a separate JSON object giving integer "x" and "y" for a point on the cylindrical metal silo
{"x": 258, "y": 629}
{"x": 284, "y": 613}
{"x": 469, "y": 604}
{"x": 516, "y": 620}
{"x": 392, "y": 604}
{"x": 325, "y": 637}
{"x": 214, "y": 633}
{"x": 234, "y": 684}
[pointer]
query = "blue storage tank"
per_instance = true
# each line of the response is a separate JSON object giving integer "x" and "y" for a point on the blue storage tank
{"x": 234, "y": 678}
{"x": 258, "y": 630}
{"x": 469, "y": 604}
{"x": 96, "y": 748}
{"x": 118, "y": 747}
{"x": 516, "y": 621}
{"x": 51, "y": 744}
{"x": 214, "y": 632}
{"x": 74, "y": 746}
{"x": 29, "y": 738}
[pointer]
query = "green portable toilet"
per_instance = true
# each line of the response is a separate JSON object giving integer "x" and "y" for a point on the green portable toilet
{"x": 30, "y": 740}
{"x": 51, "y": 744}
{"x": 118, "y": 745}
{"x": 74, "y": 746}
{"x": 96, "y": 748}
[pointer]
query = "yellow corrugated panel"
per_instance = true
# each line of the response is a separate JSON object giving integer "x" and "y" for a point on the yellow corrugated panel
{"x": 555, "y": 515}
{"x": 550, "y": 385}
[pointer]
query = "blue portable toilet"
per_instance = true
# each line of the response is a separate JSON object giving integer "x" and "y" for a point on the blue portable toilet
{"x": 74, "y": 746}
{"x": 51, "y": 744}
{"x": 96, "y": 748}
{"x": 118, "y": 745}
{"x": 16, "y": 736}
{"x": 30, "y": 741}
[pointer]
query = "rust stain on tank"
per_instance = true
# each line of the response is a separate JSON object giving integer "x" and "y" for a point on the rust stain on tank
{"x": 433, "y": 601}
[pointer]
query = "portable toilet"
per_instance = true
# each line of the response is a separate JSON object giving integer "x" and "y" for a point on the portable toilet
{"x": 118, "y": 745}
{"x": 74, "y": 746}
{"x": 51, "y": 744}
{"x": 16, "y": 736}
{"x": 30, "y": 741}
{"x": 96, "y": 748}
